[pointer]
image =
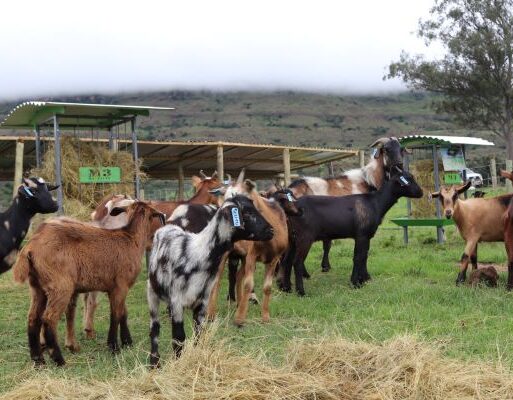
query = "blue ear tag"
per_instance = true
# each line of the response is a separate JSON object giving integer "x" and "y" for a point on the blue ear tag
{"x": 27, "y": 190}
{"x": 235, "y": 217}
{"x": 404, "y": 180}
{"x": 374, "y": 152}
{"x": 289, "y": 196}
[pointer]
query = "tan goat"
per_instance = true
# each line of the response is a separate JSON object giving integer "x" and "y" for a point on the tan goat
{"x": 478, "y": 220}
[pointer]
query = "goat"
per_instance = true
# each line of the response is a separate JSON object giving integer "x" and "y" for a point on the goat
{"x": 487, "y": 275}
{"x": 206, "y": 193}
{"x": 386, "y": 156}
{"x": 33, "y": 197}
{"x": 508, "y": 232}
{"x": 275, "y": 211}
{"x": 101, "y": 217}
{"x": 65, "y": 257}
{"x": 477, "y": 220}
{"x": 183, "y": 265}
{"x": 331, "y": 217}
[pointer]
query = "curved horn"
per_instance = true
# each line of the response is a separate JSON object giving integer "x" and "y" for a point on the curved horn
{"x": 230, "y": 180}
{"x": 380, "y": 141}
{"x": 203, "y": 175}
{"x": 214, "y": 175}
{"x": 240, "y": 179}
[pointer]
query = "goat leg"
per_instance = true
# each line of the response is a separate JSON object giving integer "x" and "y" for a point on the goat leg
{"x": 361, "y": 252}
{"x": 124, "y": 332}
{"x": 233, "y": 263}
{"x": 326, "y": 247}
{"x": 37, "y": 307}
{"x": 509, "y": 285}
{"x": 71, "y": 342}
{"x": 153, "y": 305}
{"x": 178, "y": 333}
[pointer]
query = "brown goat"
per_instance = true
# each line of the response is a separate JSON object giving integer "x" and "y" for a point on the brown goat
{"x": 508, "y": 233}
{"x": 65, "y": 257}
{"x": 268, "y": 252}
{"x": 478, "y": 220}
{"x": 488, "y": 275}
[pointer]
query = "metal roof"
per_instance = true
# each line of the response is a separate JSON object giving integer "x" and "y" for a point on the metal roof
{"x": 73, "y": 115}
{"x": 160, "y": 159}
{"x": 420, "y": 140}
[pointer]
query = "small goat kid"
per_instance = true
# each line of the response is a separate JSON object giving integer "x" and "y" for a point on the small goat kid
{"x": 386, "y": 156}
{"x": 478, "y": 220}
{"x": 33, "y": 197}
{"x": 183, "y": 265}
{"x": 65, "y": 257}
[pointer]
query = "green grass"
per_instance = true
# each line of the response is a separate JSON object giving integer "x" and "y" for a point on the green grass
{"x": 412, "y": 291}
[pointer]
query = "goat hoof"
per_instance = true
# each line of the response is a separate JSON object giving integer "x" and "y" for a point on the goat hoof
{"x": 73, "y": 348}
{"x": 39, "y": 362}
{"x": 325, "y": 268}
{"x": 128, "y": 343}
{"x": 306, "y": 275}
{"x": 114, "y": 348}
{"x": 90, "y": 333}
{"x": 253, "y": 299}
{"x": 301, "y": 293}
{"x": 509, "y": 287}
{"x": 459, "y": 280}
{"x": 238, "y": 323}
{"x": 155, "y": 361}
{"x": 59, "y": 361}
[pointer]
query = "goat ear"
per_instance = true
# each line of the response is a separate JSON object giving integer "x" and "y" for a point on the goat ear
{"x": 506, "y": 174}
{"x": 52, "y": 187}
{"x": 219, "y": 191}
{"x": 464, "y": 187}
{"x": 250, "y": 185}
{"x": 196, "y": 180}
{"x": 117, "y": 210}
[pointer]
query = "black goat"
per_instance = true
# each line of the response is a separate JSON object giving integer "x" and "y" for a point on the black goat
{"x": 331, "y": 217}
{"x": 33, "y": 197}
{"x": 183, "y": 265}
{"x": 192, "y": 217}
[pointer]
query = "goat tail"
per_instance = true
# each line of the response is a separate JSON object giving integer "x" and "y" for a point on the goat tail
{"x": 22, "y": 266}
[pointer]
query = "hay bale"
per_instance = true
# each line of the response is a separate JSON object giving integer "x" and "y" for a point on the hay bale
{"x": 81, "y": 198}
{"x": 423, "y": 172}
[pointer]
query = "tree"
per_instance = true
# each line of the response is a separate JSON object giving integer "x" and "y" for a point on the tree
{"x": 475, "y": 76}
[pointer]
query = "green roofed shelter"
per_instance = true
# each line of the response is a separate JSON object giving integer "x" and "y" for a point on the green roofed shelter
{"x": 78, "y": 116}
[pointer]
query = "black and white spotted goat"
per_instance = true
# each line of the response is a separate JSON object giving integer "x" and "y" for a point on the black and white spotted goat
{"x": 183, "y": 265}
{"x": 33, "y": 197}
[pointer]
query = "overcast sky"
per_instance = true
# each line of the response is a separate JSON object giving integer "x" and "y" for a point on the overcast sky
{"x": 49, "y": 47}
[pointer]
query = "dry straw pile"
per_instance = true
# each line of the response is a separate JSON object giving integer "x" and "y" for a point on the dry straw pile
{"x": 81, "y": 199}
{"x": 331, "y": 368}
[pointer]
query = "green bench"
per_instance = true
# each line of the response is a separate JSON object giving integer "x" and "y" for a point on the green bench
{"x": 439, "y": 223}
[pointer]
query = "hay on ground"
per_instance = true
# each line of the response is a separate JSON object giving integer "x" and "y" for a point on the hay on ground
{"x": 330, "y": 368}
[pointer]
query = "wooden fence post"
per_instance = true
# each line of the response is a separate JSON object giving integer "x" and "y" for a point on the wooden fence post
{"x": 509, "y": 167}
{"x": 493, "y": 171}
{"x": 18, "y": 167}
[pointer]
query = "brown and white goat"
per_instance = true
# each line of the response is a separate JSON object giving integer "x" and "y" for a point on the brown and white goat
{"x": 268, "y": 252}
{"x": 66, "y": 257}
{"x": 478, "y": 220}
{"x": 387, "y": 155}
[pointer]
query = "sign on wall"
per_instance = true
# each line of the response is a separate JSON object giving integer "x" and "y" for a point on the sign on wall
{"x": 99, "y": 174}
{"x": 452, "y": 158}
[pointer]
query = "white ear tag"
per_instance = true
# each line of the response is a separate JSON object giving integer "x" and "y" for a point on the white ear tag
{"x": 289, "y": 196}
{"x": 404, "y": 180}
{"x": 27, "y": 190}
{"x": 235, "y": 217}
{"x": 374, "y": 153}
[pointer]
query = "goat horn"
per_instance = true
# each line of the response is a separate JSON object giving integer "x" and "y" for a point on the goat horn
{"x": 230, "y": 180}
{"x": 214, "y": 175}
{"x": 240, "y": 179}
{"x": 202, "y": 174}
{"x": 380, "y": 141}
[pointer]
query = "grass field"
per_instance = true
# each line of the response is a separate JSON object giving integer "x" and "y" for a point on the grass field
{"x": 412, "y": 292}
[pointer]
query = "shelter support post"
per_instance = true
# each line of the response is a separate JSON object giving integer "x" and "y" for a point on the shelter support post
{"x": 509, "y": 168}
{"x": 361, "y": 155}
{"x": 220, "y": 163}
{"x": 135, "y": 150}
{"x": 18, "y": 167}
{"x": 58, "y": 170}
{"x": 181, "y": 180}
{"x": 37, "y": 135}
{"x": 406, "y": 164}
{"x": 439, "y": 229}
{"x": 493, "y": 172}
{"x": 286, "y": 166}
